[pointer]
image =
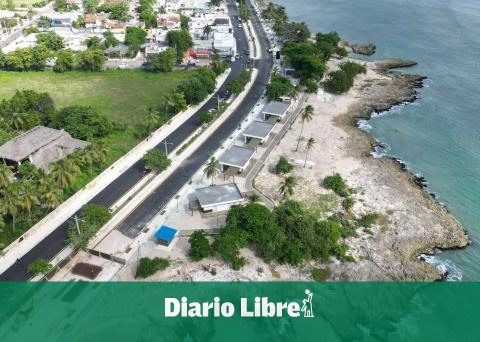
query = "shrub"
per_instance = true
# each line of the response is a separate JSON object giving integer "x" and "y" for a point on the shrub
{"x": 148, "y": 266}
{"x": 367, "y": 220}
{"x": 283, "y": 166}
{"x": 338, "y": 82}
{"x": 348, "y": 203}
{"x": 321, "y": 274}
{"x": 156, "y": 160}
{"x": 205, "y": 117}
{"x": 39, "y": 266}
{"x": 311, "y": 86}
{"x": 337, "y": 184}
{"x": 199, "y": 246}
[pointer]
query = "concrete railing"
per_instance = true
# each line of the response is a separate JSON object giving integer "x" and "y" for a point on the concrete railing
{"x": 49, "y": 223}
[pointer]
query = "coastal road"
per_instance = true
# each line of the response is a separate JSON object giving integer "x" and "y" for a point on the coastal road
{"x": 56, "y": 241}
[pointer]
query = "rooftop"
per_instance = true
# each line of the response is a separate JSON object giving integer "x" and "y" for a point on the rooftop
{"x": 166, "y": 233}
{"x": 258, "y": 129}
{"x": 43, "y": 144}
{"x": 276, "y": 108}
{"x": 218, "y": 194}
{"x": 236, "y": 156}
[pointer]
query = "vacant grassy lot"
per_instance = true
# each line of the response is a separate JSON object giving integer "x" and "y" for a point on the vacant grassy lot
{"x": 122, "y": 95}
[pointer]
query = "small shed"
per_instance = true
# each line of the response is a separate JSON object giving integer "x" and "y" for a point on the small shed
{"x": 258, "y": 130}
{"x": 277, "y": 109}
{"x": 217, "y": 198}
{"x": 165, "y": 235}
{"x": 236, "y": 157}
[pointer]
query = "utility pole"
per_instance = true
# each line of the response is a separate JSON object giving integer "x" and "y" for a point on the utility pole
{"x": 77, "y": 225}
{"x": 218, "y": 103}
{"x": 165, "y": 143}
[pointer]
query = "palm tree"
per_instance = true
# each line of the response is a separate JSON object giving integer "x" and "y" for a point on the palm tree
{"x": 6, "y": 175}
{"x": 211, "y": 170}
{"x": 28, "y": 197}
{"x": 52, "y": 196}
{"x": 153, "y": 118}
{"x": 64, "y": 172}
{"x": 307, "y": 116}
{"x": 207, "y": 30}
{"x": 308, "y": 147}
{"x": 17, "y": 121}
{"x": 287, "y": 186}
{"x": 87, "y": 158}
{"x": 10, "y": 203}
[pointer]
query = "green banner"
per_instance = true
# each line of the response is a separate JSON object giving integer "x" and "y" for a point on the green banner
{"x": 239, "y": 311}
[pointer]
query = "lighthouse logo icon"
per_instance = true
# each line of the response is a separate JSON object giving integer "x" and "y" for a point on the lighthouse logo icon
{"x": 307, "y": 304}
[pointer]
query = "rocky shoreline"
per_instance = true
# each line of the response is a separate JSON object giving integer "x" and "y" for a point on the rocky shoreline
{"x": 403, "y": 90}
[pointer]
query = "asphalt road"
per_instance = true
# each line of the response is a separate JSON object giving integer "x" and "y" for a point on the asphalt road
{"x": 56, "y": 241}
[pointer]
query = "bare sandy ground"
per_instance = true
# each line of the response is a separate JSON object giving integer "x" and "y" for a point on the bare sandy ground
{"x": 411, "y": 223}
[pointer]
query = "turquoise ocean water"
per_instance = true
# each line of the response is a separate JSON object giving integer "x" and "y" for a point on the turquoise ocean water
{"x": 438, "y": 136}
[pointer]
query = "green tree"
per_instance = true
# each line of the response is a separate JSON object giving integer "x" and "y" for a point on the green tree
{"x": 184, "y": 22}
{"x": 156, "y": 160}
{"x": 92, "y": 218}
{"x": 64, "y": 172}
{"x": 39, "y": 266}
{"x": 306, "y": 116}
{"x": 305, "y": 59}
{"x": 308, "y": 147}
{"x": 178, "y": 103}
{"x": 117, "y": 11}
{"x": 94, "y": 43}
{"x": 110, "y": 39}
{"x": 28, "y": 197}
{"x": 51, "y": 40}
{"x": 10, "y": 202}
{"x": 228, "y": 243}
{"x": 65, "y": 61}
{"x": 6, "y": 175}
{"x": 211, "y": 170}
{"x": 278, "y": 86}
{"x": 90, "y": 6}
{"x": 287, "y": 186}
{"x": 296, "y": 32}
{"x": 91, "y": 60}
{"x": 338, "y": 82}
{"x": 82, "y": 122}
{"x": 50, "y": 195}
{"x": 180, "y": 41}
{"x": 205, "y": 117}
{"x": 135, "y": 37}
{"x": 283, "y": 166}
{"x": 199, "y": 245}
{"x": 164, "y": 61}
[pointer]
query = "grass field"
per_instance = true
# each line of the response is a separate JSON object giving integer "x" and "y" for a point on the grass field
{"x": 122, "y": 95}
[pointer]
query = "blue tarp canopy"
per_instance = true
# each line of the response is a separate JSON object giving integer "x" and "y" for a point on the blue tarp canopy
{"x": 165, "y": 234}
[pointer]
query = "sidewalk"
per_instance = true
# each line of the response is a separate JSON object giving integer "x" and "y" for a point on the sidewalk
{"x": 105, "y": 231}
{"x": 49, "y": 223}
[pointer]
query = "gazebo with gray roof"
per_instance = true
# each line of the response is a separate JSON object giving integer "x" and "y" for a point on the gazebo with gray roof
{"x": 236, "y": 157}
{"x": 257, "y": 131}
{"x": 275, "y": 108}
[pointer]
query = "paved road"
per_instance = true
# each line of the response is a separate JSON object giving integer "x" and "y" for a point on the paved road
{"x": 55, "y": 242}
